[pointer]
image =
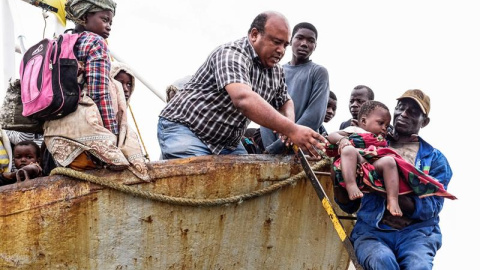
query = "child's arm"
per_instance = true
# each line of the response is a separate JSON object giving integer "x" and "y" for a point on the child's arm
{"x": 340, "y": 138}
{"x": 7, "y": 178}
{"x": 337, "y": 136}
{"x": 337, "y": 142}
{"x": 6, "y": 181}
{"x": 30, "y": 171}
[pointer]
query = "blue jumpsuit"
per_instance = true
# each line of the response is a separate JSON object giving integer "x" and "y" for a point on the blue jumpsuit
{"x": 379, "y": 246}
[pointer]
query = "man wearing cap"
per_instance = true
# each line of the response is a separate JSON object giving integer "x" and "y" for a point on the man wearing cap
{"x": 382, "y": 241}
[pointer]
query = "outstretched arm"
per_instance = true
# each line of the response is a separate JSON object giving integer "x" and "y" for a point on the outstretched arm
{"x": 254, "y": 107}
{"x": 32, "y": 170}
{"x": 336, "y": 136}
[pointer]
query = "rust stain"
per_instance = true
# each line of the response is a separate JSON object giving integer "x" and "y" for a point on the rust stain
{"x": 148, "y": 219}
{"x": 267, "y": 222}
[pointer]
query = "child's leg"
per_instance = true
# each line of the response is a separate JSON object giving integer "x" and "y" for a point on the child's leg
{"x": 387, "y": 167}
{"x": 349, "y": 159}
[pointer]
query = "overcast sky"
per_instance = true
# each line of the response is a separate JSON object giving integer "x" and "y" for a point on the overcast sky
{"x": 391, "y": 47}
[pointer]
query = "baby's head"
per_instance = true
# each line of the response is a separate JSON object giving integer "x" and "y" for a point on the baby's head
{"x": 25, "y": 153}
{"x": 374, "y": 117}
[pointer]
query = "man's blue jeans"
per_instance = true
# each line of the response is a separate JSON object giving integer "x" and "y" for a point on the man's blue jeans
{"x": 178, "y": 141}
{"x": 271, "y": 142}
{"x": 411, "y": 249}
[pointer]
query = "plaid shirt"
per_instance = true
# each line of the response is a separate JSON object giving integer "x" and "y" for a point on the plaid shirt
{"x": 205, "y": 106}
{"x": 92, "y": 50}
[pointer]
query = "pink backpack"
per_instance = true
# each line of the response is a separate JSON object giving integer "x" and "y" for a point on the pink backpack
{"x": 48, "y": 78}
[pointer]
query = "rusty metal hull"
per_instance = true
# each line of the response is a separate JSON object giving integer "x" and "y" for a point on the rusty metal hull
{"x": 58, "y": 222}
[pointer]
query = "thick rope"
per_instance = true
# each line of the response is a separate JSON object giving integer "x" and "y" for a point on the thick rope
{"x": 185, "y": 201}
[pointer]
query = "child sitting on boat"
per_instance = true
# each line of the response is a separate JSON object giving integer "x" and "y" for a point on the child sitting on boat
{"x": 91, "y": 137}
{"x": 26, "y": 157}
{"x": 365, "y": 161}
{"x": 122, "y": 87}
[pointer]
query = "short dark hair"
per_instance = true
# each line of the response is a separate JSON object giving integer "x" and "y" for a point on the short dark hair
{"x": 332, "y": 95}
{"x": 259, "y": 23}
{"x": 304, "y": 25}
{"x": 31, "y": 143}
{"x": 369, "y": 107}
{"x": 370, "y": 94}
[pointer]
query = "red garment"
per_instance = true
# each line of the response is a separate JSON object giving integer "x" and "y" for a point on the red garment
{"x": 411, "y": 179}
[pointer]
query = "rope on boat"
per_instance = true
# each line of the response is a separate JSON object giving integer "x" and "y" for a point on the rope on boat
{"x": 186, "y": 201}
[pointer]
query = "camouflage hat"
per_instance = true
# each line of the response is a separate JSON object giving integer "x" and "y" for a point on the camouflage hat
{"x": 77, "y": 9}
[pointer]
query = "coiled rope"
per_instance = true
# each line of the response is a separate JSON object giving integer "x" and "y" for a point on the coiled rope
{"x": 186, "y": 201}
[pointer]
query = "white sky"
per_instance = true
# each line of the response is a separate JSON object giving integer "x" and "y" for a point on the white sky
{"x": 389, "y": 46}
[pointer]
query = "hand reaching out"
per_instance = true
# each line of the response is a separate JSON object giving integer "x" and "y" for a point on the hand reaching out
{"x": 308, "y": 140}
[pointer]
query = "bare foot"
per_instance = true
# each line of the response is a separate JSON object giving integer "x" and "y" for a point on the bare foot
{"x": 353, "y": 192}
{"x": 394, "y": 208}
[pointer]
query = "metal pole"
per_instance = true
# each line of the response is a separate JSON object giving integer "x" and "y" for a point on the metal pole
{"x": 7, "y": 52}
{"x": 139, "y": 77}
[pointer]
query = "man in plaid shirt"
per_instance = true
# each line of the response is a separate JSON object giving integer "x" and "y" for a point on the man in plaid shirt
{"x": 240, "y": 81}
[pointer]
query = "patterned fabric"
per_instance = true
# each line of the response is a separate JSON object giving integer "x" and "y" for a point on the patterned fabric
{"x": 115, "y": 68}
{"x": 205, "y": 106}
{"x": 82, "y": 130}
{"x": 11, "y": 117}
{"x": 4, "y": 159}
{"x": 411, "y": 179}
{"x": 77, "y": 9}
{"x": 128, "y": 140}
{"x": 6, "y": 152}
{"x": 92, "y": 50}
{"x": 17, "y": 136}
